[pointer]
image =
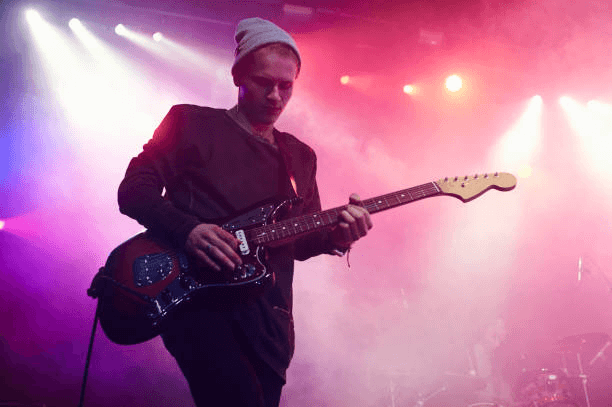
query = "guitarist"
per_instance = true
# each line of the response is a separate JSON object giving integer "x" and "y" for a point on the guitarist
{"x": 214, "y": 163}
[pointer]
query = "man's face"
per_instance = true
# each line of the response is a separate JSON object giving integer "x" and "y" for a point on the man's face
{"x": 265, "y": 88}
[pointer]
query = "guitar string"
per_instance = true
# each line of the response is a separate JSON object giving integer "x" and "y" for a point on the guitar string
{"x": 311, "y": 222}
{"x": 307, "y": 223}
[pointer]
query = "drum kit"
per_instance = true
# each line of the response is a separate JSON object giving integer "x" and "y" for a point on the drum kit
{"x": 565, "y": 385}
{"x": 564, "y": 382}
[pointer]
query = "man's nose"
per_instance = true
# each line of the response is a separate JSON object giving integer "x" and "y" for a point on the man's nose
{"x": 274, "y": 93}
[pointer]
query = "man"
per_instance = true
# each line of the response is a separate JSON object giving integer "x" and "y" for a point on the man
{"x": 214, "y": 163}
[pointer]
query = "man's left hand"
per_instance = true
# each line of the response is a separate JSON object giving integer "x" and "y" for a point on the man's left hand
{"x": 354, "y": 224}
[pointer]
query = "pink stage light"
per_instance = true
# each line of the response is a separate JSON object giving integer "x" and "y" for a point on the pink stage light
{"x": 409, "y": 89}
{"x": 454, "y": 83}
{"x": 345, "y": 79}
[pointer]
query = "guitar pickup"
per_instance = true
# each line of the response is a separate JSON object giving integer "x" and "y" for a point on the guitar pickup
{"x": 151, "y": 268}
{"x": 244, "y": 245}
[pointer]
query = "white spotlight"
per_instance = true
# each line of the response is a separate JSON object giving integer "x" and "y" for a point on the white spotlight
{"x": 454, "y": 83}
{"x": 75, "y": 24}
{"x": 32, "y": 16}
{"x": 120, "y": 29}
{"x": 158, "y": 36}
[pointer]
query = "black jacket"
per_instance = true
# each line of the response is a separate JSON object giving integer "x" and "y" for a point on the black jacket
{"x": 210, "y": 168}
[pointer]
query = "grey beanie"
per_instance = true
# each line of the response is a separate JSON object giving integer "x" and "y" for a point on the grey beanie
{"x": 252, "y": 33}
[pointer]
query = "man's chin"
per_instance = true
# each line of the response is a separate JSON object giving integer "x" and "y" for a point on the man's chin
{"x": 264, "y": 118}
{"x": 268, "y": 119}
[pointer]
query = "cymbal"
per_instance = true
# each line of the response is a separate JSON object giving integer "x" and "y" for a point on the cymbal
{"x": 578, "y": 343}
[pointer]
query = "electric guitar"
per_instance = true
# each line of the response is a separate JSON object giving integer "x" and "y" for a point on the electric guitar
{"x": 145, "y": 279}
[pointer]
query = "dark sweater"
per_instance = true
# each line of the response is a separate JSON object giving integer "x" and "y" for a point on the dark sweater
{"x": 211, "y": 168}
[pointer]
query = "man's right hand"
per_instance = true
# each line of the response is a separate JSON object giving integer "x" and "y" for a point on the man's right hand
{"x": 213, "y": 247}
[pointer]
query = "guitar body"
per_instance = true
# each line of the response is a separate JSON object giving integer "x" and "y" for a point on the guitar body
{"x": 145, "y": 280}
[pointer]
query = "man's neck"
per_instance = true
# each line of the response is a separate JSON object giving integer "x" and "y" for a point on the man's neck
{"x": 264, "y": 131}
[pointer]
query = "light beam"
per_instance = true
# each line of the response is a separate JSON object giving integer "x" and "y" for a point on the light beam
{"x": 593, "y": 126}
{"x": 517, "y": 148}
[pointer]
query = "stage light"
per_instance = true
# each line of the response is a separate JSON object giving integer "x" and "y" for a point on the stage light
{"x": 454, "y": 83}
{"x": 120, "y": 29}
{"x": 32, "y": 16}
{"x": 362, "y": 83}
{"x": 91, "y": 42}
{"x": 2, "y": 223}
{"x": 146, "y": 41}
{"x": 75, "y": 24}
{"x": 536, "y": 101}
{"x": 409, "y": 89}
{"x": 58, "y": 58}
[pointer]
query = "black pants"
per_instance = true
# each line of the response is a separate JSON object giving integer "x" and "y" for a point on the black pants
{"x": 218, "y": 363}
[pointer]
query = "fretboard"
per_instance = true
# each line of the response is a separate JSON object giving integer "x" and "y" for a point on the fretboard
{"x": 301, "y": 225}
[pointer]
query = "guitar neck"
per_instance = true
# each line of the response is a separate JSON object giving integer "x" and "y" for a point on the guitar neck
{"x": 292, "y": 228}
{"x": 399, "y": 198}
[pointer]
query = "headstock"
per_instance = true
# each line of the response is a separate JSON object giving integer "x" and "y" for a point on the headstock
{"x": 469, "y": 187}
